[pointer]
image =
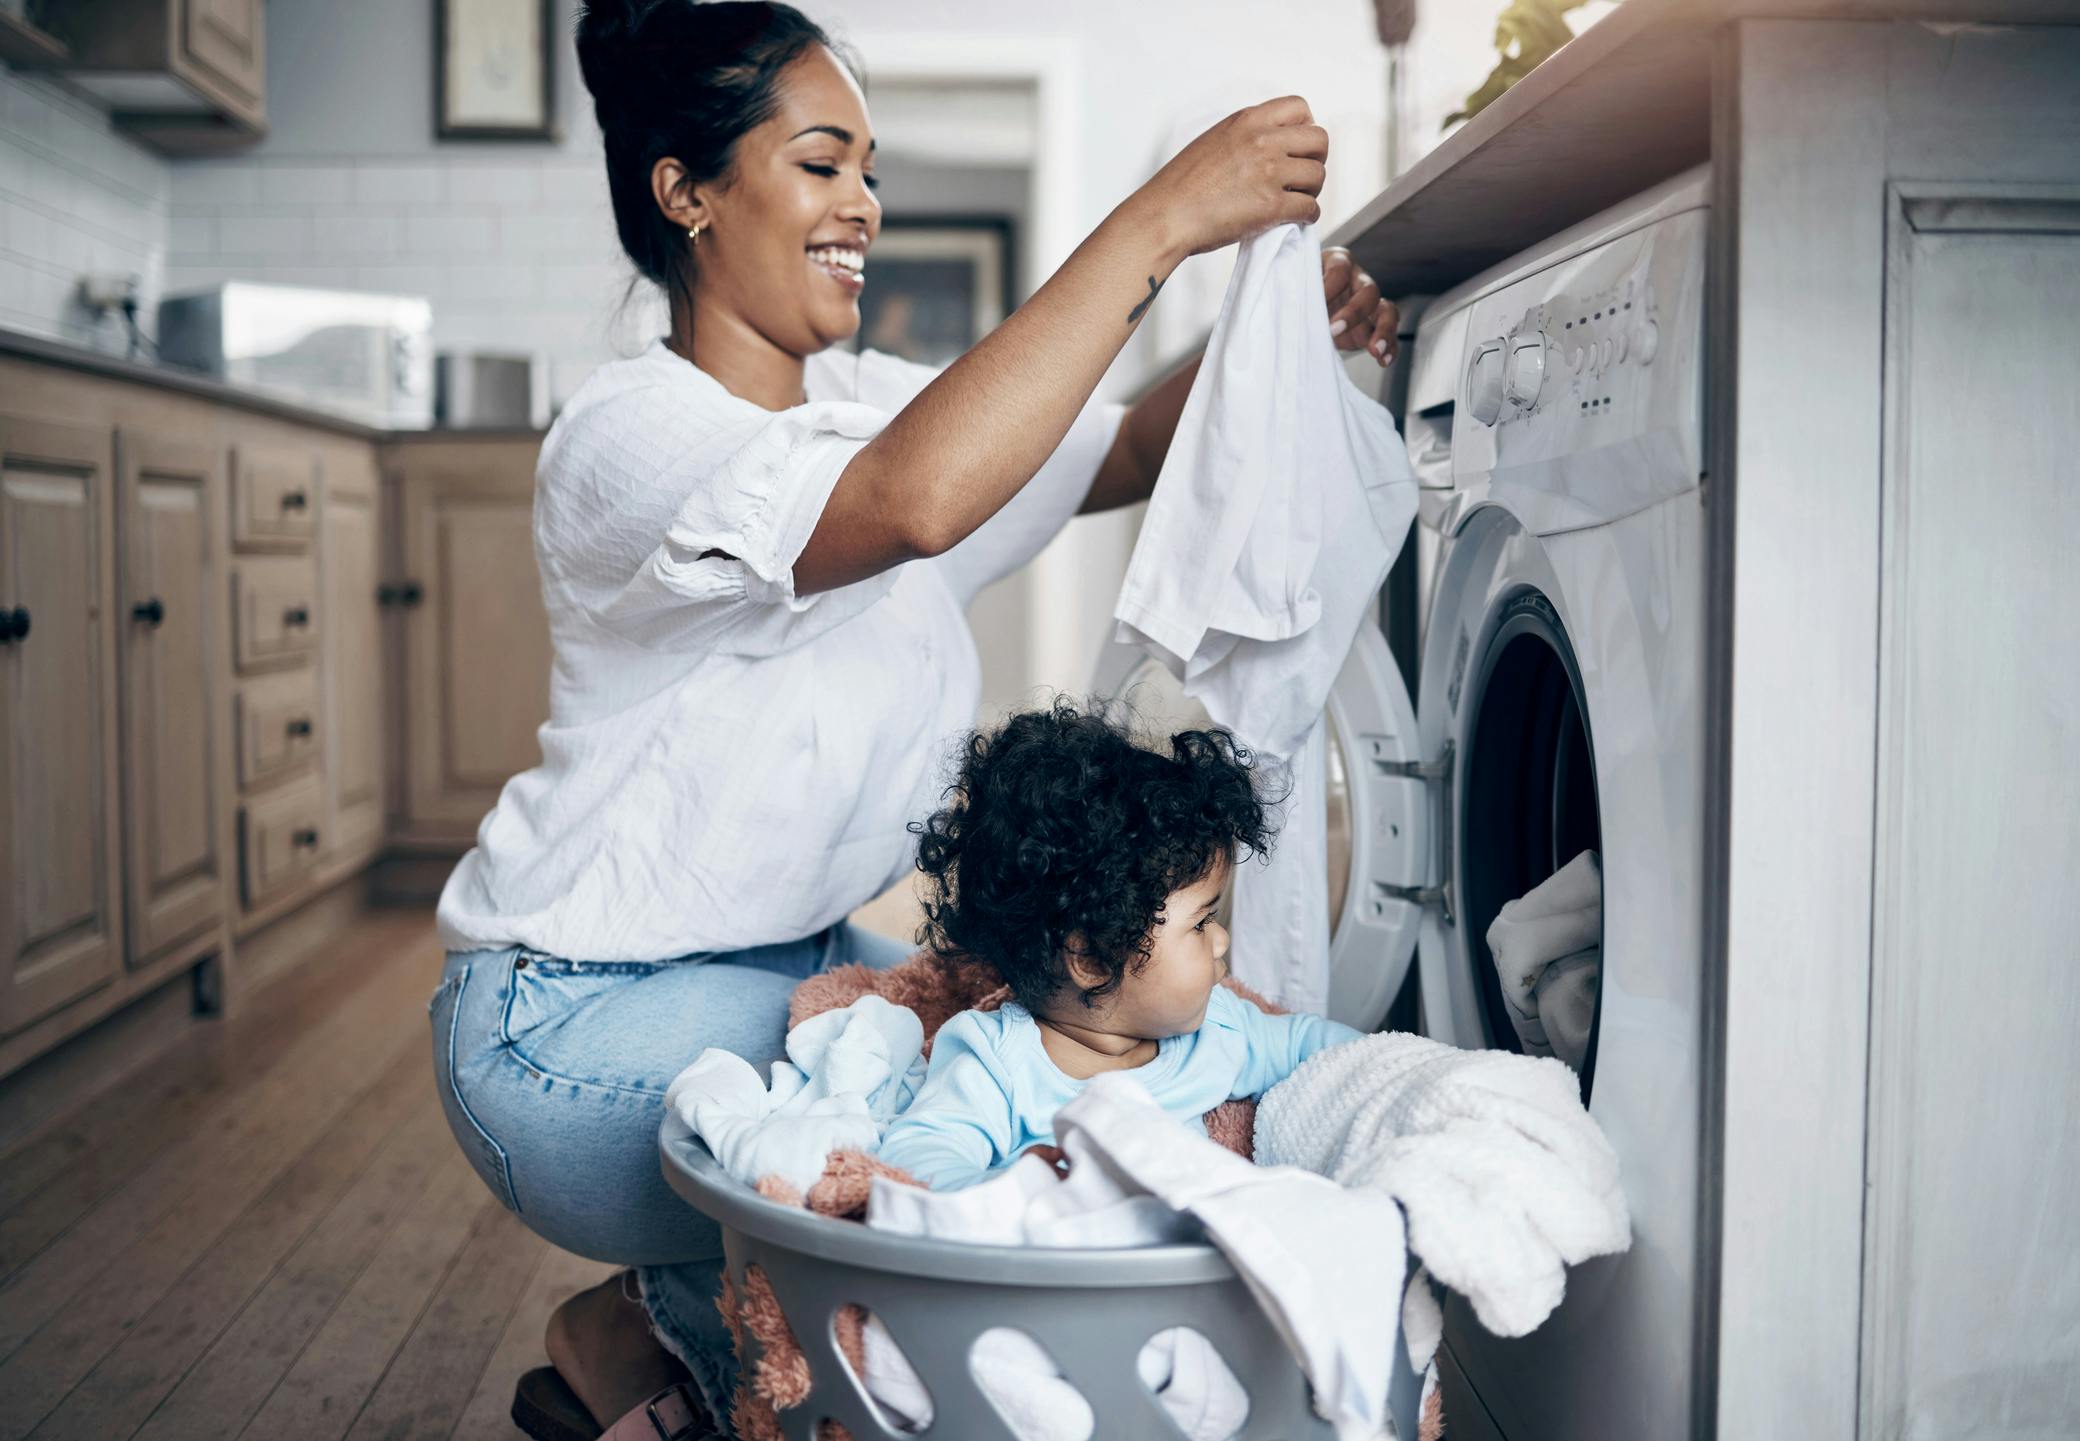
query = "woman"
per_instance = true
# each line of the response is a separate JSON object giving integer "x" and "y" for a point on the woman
{"x": 756, "y": 555}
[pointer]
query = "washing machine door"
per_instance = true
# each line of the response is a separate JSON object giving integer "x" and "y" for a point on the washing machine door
{"x": 1379, "y": 816}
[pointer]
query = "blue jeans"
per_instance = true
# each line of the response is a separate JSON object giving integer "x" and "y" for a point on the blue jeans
{"x": 552, "y": 1074}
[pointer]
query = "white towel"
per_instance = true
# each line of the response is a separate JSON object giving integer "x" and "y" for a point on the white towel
{"x": 847, "y": 1074}
{"x": 1326, "y": 1263}
{"x": 1505, "y": 1178}
{"x": 1029, "y": 1204}
{"x": 1548, "y": 953}
{"x": 1283, "y": 499}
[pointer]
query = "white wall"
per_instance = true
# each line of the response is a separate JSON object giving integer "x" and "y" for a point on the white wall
{"x": 74, "y": 197}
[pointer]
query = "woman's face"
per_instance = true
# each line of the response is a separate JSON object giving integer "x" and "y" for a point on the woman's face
{"x": 801, "y": 190}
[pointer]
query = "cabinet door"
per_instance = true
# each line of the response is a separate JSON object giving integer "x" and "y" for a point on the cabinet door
{"x": 60, "y": 915}
{"x": 350, "y": 550}
{"x": 477, "y": 643}
{"x": 172, "y": 862}
{"x": 229, "y": 39}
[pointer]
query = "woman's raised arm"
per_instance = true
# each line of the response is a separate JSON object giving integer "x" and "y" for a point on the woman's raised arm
{"x": 969, "y": 440}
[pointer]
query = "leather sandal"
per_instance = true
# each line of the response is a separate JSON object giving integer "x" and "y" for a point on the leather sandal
{"x": 545, "y": 1407}
{"x": 673, "y": 1414}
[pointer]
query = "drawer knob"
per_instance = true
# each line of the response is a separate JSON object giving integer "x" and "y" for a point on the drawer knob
{"x": 295, "y": 500}
{"x": 304, "y": 838}
{"x": 14, "y": 625}
{"x": 301, "y": 726}
{"x": 406, "y": 593}
{"x": 296, "y": 615}
{"x": 152, "y": 612}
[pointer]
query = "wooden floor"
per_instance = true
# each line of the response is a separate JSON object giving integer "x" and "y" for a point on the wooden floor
{"x": 269, "y": 1233}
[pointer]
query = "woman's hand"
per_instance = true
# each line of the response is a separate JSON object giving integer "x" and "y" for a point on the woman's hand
{"x": 1260, "y": 167}
{"x": 1358, "y": 317}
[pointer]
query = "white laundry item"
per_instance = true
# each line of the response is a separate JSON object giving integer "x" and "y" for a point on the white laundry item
{"x": 1318, "y": 1257}
{"x": 1283, "y": 499}
{"x": 1548, "y": 958}
{"x": 848, "y": 1072}
{"x": 1504, "y": 1177}
{"x": 1030, "y": 1204}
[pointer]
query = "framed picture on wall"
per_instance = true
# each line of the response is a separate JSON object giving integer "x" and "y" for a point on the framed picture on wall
{"x": 936, "y": 285}
{"x": 494, "y": 70}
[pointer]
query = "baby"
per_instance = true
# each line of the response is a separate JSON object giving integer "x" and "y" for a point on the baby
{"x": 1087, "y": 870}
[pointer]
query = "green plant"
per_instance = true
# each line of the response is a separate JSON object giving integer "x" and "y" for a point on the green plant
{"x": 1535, "y": 28}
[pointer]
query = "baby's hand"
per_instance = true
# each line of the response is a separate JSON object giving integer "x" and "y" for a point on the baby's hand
{"x": 1052, "y": 1155}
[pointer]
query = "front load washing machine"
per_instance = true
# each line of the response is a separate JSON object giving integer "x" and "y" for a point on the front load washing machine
{"x": 1555, "y": 421}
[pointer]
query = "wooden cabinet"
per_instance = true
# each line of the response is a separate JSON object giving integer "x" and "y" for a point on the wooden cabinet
{"x": 166, "y": 616}
{"x": 350, "y": 558}
{"x": 280, "y": 837}
{"x": 184, "y": 76}
{"x": 476, "y": 642}
{"x": 60, "y": 904}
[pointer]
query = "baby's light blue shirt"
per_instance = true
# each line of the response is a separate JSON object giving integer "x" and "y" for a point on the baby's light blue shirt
{"x": 992, "y": 1090}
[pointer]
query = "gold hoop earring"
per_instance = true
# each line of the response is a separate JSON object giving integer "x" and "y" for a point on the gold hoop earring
{"x": 696, "y": 232}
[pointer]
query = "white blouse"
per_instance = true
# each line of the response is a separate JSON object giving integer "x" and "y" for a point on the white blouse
{"x": 726, "y": 763}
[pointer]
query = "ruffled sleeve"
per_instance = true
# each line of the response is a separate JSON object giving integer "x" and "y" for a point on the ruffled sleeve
{"x": 676, "y": 526}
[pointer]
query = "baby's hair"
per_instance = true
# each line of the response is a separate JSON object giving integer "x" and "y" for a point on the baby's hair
{"x": 1061, "y": 835}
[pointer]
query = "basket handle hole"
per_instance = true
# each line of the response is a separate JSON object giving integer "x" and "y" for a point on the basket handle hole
{"x": 881, "y": 1370}
{"x": 1189, "y": 1377}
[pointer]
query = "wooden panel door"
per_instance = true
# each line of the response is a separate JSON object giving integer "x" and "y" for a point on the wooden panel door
{"x": 173, "y": 864}
{"x": 477, "y": 646}
{"x": 350, "y": 557}
{"x": 60, "y": 913}
{"x": 229, "y": 39}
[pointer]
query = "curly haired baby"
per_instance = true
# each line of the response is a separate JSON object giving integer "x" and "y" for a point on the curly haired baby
{"x": 1087, "y": 870}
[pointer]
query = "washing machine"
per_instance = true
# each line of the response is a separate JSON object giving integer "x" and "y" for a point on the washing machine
{"x": 1555, "y": 420}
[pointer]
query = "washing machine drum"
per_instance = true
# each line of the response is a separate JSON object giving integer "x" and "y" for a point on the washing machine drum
{"x": 1378, "y": 813}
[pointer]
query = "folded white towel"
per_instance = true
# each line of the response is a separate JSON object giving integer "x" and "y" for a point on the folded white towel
{"x": 847, "y": 1074}
{"x": 1505, "y": 1179}
{"x": 1283, "y": 499}
{"x": 1547, "y": 945}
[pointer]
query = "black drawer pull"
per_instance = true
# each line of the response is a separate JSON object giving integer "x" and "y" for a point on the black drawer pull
{"x": 152, "y": 612}
{"x": 296, "y": 615}
{"x": 304, "y": 838}
{"x": 300, "y": 726}
{"x": 14, "y": 625}
{"x": 295, "y": 500}
{"x": 405, "y": 593}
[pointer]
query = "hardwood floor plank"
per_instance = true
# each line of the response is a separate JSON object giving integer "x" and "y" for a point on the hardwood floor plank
{"x": 332, "y": 1378}
{"x": 439, "y": 1365}
{"x": 270, "y": 1196}
{"x": 284, "y": 1114}
{"x": 245, "y": 1363}
{"x": 388, "y": 1140}
{"x": 488, "y": 1416}
{"x": 102, "y": 1140}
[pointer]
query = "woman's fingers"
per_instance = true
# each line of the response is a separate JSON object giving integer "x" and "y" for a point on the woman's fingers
{"x": 1305, "y": 176}
{"x": 1355, "y": 312}
{"x": 1386, "y": 333}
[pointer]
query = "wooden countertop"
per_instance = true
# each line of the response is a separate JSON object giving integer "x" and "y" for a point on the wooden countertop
{"x": 1613, "y": 112}
{"x": 42, "y": 349}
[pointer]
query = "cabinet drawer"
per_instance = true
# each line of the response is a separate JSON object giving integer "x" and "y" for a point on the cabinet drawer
{"x": 273, "y": 499}
{"x": 277, "y": 728}
{"x": 279, "y": 841}
{"x": 274, "y": 612}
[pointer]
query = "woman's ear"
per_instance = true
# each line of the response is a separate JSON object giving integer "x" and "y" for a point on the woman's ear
{"x": 675, "y": 194}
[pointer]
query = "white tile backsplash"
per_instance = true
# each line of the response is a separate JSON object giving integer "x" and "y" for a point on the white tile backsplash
{"x": 75, "y": 196}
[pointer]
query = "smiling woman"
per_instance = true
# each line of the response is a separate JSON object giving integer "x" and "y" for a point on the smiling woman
{"x": 757, "y": 553}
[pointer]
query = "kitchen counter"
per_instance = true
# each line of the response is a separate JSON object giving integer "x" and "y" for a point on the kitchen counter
{"x": 19, "y": 345}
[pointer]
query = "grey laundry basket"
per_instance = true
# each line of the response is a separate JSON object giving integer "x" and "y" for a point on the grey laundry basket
{"x": 1092, "y": 1310}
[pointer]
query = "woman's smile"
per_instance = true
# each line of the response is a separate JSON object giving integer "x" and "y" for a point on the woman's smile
{"x": 842, "y": 263}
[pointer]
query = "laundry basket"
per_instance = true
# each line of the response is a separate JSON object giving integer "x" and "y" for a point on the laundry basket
{"x": 1092, "y": 1310}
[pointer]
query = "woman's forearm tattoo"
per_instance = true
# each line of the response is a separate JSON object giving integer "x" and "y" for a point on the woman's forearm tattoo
{"x": 1154, "y": 285}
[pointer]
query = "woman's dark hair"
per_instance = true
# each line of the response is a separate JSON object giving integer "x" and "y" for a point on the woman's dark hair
{"x": 1062, "y": 835}
{"x": 671, "y": 77}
